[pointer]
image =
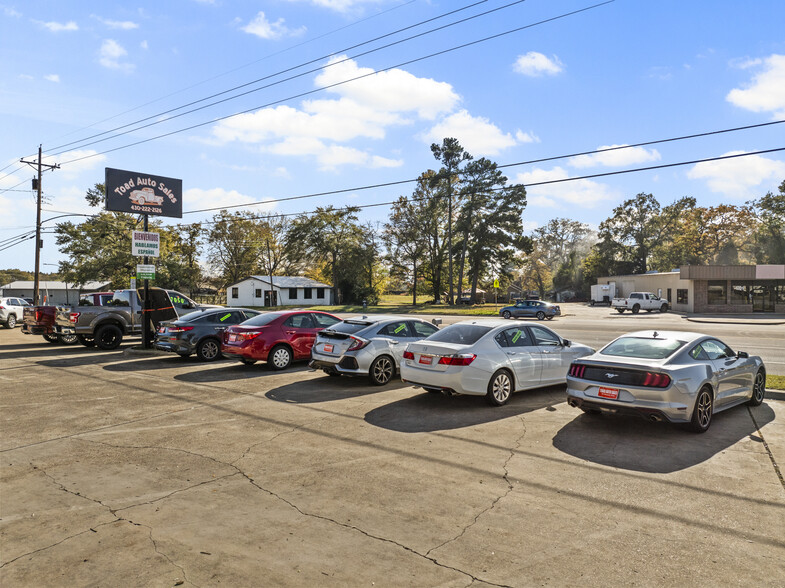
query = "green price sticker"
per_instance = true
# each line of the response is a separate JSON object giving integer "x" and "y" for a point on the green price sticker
{"x": 400, "y": 328}
{"x": 516, "y": 336}
{"x": 224, "y": 317}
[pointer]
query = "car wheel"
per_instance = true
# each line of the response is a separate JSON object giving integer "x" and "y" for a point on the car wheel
{"x": 758, "y": 389}
{"x": 10, "y": 322}
{"x": 591, "y": 302}
{"x": 52, "y": 338}
{"x": 540, "y": 315}
{"x": 382, "y": 370}
{"x": 68, "y": 339}
{"x": 108, "y": 337}
{"x": 499, "y": 388}
{"x": 620, "y": 310}
{"x": 506, "y": 314}
{"x": 664, "y": 308}
{"x": 636, "y": 309}
{"x": 208, "y": 350}
{"x": 703, "y": 411}
{"x": 86, "y": 341}
{"x": 248, "y": 361}
{"x": 280, "y": 357}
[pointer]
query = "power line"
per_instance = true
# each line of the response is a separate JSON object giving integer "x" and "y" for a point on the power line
{"x": 308, "y": 93}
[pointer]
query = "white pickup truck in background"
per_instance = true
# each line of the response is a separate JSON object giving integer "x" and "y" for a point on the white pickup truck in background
{"x": 638, "y": 301}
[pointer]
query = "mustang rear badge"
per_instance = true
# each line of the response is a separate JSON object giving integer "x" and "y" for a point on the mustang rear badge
{"x": 611, "y": 376}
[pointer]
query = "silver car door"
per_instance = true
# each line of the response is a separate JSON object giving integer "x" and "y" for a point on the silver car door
{"x": 734, "y": 376}
{"x": 522, "y": 355}
{"x": 398, "y": 335}
{"x": 554, "y": 363}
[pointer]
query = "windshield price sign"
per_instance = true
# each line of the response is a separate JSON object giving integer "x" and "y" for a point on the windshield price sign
{"x": 145, "y": 271}
{"x": 145, "y": 244}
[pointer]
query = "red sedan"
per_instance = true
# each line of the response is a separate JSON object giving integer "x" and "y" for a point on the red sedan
{"x": 279, "y": 338}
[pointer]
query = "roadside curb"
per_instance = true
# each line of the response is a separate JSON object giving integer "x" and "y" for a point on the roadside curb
{"x": 731, "y": 321}
{"x": 139, "y": 352}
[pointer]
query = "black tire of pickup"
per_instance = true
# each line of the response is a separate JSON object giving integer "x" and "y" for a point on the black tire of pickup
{"x": 86, "y": 341}
{"x": 108, "y": 337}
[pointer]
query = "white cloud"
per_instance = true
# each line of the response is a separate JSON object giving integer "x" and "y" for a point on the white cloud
{"x": 343, "y": 5}
{"x": 536, "y": 64}
{"x": 111, "y": 54}
{"x": 740, "y": 178}
{"x": 26, "y": 77}
{"x": 125, "y": 25}
{"x": 766, "y": 91}
{"x": 522, "y": 137}
{"x": 616, "y": 158}
{"x": 52, "y": 78}
{"x": 583, "y": 193}
{"x": 8, "y": 11}
{"x": 265, "y": 29}
{"x": 476, "y": 134}
{"x": 57, "y": 27}
{"x": 214, "y": 197}
{"x": 329, "y": 157}
{"x": 144, "y": 45}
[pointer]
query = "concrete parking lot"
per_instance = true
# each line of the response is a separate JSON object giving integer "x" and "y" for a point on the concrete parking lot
{"x": 125, "y": 469}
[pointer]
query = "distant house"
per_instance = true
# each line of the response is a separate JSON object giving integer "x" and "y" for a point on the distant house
{"x": 52, "y": 292}
{"x": 286, "y": 291}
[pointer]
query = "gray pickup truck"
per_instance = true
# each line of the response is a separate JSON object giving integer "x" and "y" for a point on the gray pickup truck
{"x": 105, "y": 326}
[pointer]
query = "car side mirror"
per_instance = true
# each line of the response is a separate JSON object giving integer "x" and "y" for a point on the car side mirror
{"x": 742, "y": 354}
{"x": 566, "y": 342}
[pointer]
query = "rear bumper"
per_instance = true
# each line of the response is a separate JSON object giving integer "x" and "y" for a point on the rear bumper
{"x": 667, "y": 409}
{"x": 37, "y": 329}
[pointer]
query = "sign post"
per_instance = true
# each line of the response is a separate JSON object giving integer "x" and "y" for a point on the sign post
{"x": 145, "y": 194}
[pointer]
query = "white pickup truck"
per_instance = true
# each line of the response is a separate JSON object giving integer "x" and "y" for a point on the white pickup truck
{"x": 638, "y": 301}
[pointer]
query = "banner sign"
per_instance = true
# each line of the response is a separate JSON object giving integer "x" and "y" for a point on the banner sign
{"x": 139, "y": 193}
{"x": 148, "y": 244}
{"x": 145, "y": 271}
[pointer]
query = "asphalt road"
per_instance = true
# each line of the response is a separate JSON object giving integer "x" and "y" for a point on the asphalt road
{"x": 131, "y": 470}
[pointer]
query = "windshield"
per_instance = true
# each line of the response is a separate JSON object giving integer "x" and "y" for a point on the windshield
{"x": 262, "y": 319}
{"x": 461, "y": 334}
{"x": 643, "y": 348}
{"x": 348, "y": 327}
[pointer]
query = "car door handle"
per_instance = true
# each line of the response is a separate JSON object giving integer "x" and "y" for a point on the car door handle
{"x": 510, "y": 353}
{"x": 291, "y": 332}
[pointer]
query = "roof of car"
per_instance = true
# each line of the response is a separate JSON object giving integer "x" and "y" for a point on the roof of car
{"x": 652, "y": 334}
{"x": 379, "y": 318}
{"x": 487, "y": 322}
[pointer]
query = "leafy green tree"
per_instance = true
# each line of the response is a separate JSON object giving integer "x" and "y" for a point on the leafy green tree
{"x": 234, "y": 246}
{"x": 769, "y": 237}
{"x": 404, "y": 240}
{"x": 632, "y": 231}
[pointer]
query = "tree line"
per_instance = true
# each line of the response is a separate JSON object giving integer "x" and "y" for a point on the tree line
{"x": 459, "y": 230}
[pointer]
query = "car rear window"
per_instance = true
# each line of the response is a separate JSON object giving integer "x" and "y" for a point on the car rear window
{"x": 461, "y": 334}
{"x": 349, "y": 326}
{"x": 643, "y": 348}
{"x": 262, "y": 319}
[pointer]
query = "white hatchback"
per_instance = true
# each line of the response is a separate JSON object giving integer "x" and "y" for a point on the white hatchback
{"x": 490, "y": 358}
{"x": 11, "y": 311}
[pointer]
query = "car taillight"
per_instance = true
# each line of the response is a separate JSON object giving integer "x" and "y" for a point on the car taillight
{"x": 459, "y": 359}
{"x": 247, "y": 335}
{"x": 577, "y": 370}
{"x": 357, "y": 344}
{"x": 177, "y": 329}
{"x": 74, "y": 316}
{"x": 408, "y": 355}
{"x": 656, "y": 380}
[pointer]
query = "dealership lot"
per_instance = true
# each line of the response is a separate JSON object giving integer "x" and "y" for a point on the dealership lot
{"x": 128, "y": 469}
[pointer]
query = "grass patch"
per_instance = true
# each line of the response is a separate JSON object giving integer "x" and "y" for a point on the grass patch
{"x": 775, "y": 382}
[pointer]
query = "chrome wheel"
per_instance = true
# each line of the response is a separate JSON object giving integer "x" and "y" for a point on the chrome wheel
{"x": 703, "y": 411}
{"x": 68, "y": 339}
{"x": 758, "y": 389}
{"x": 382, "y": 370}
{"x": 208, "y": 350}
{"x": 499, "y": 388}
{"x": 280, "y": 358}
{"x": 506, "y": 314}
{"x": 540, "y": 316}
{"x": 10, "y": 322}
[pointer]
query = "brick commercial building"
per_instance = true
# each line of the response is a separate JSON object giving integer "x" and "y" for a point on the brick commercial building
{"x": 711, "y": 289}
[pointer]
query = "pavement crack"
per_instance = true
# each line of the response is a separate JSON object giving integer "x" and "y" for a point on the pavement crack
{"x": 774, "y": 464}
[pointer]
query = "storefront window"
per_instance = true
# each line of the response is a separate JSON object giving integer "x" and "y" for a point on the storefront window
{"x": 781, "y": 292}
{"x": 717, "y": 293}
{"x": 740, "y": 292}
{"x": 681, "y": 296}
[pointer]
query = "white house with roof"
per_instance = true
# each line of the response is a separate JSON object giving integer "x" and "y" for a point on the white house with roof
{"x": 286, "y": 291}
{"x": 52, "y": 292}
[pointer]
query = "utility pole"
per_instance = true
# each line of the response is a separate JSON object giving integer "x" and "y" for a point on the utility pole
{"x": 37, "y": 185}
{"x": 273, "y": 302}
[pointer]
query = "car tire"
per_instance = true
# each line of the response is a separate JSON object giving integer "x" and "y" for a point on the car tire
{"x": 382, "y": 370}
{"x": 550, "y": 317}
{"x": 86, "y": 341}
{"x": 703, "y": 411}
{"x": 620, "y": 310}
{"x": 68, "y": 339}
{"x": 52, "y": 338}
{"x": 506, "y": 314}
{"x": 636, "y": 309}
{"x": 758, "y": 389}
{"x": 280, "y": 357}
{"x": 208, "y": 349}
{"x": 591, "y": 302}
{"x": 500, "y": 388}
{"x": 10, "y": 322}
{"x": 246, "y": 361}
{"x": 108, "y": 337}
{"x": 664, "y": 308}
{"x": 540, "y": 316}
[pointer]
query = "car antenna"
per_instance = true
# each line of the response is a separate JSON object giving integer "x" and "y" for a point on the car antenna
{"x": 655, "y": 334}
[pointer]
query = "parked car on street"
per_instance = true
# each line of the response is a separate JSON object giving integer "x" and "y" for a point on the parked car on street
{"x": 669, "y": 376}
{"x": 200, "y": 332}
{"x": 370, "y": 346}
{"x": 40, "y": 320}
{"x": 11, "y": 311}
{"x": 491, "y": 358}
{"x": 279, "y": 338}
{"x": 531, "y": 308}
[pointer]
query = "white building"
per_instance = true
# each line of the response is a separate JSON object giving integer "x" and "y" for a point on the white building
{"x": 286, "y": 291}
{"x": 52, "y": 292}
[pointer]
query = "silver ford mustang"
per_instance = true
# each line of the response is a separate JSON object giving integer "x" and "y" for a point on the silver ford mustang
{"x": 673, "y": 376}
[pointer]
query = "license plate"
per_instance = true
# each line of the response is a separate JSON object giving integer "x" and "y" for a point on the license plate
{"x": 162, "y": 329}
{"x": 426, "y": 359}
{"x": 232, "y": 337}
{"x": 328, "y": 348}
{"x": 612, "y": 393}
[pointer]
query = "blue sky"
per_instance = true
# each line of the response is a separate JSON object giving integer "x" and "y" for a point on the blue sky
{"x": 621, "y": 73}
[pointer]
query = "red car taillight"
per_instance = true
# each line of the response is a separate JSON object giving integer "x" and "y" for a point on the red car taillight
{"x": 357, "y": 344}
{"x": 176, "y": 329}
{"x": 656, "y": 380}
{"x": 74, "y": 316}
{"x": 408, "y": 355}
{"x": 577, "y": 370}
{"x": 247, "y": 335}
{"x": 460, "y": 359}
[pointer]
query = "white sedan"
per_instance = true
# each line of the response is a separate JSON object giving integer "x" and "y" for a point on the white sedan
{"x": 488, "y": 357}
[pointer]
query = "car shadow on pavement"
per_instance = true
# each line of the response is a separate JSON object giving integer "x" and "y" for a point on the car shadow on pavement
{"x": 234, "y": 370}
{"x": 428, "y": 412}
{"x": 35, "y": 351}
{"x": 326, "y": 389}
{"x": 632, "y": 443}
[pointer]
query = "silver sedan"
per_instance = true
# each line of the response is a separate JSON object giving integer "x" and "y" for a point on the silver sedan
{"x": 672, "y": 376}
{"x": 368, "y": 345}
{"x": 488, "y": 357}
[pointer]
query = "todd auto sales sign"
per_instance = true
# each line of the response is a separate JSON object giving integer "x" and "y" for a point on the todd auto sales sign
{"x": 138, "y": 193}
